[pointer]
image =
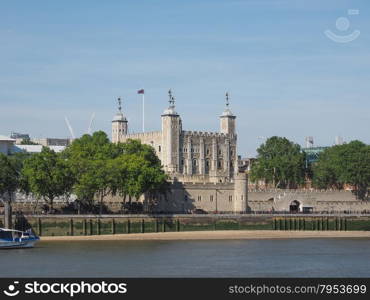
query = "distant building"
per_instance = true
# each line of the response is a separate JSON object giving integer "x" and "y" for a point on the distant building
{"x": 312, "y": 154}
{"x": 34, "y": 148}
{"x": 6, "y": 144}
{"x": 52, "y": 142}
{"x": 17, "y": 135}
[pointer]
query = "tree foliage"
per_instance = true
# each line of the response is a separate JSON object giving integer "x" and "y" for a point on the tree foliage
{"x": 279, "y": 162}
{"x": 101, "y": 168}
{"x": 9, "y": 177}
{"x": 48, "y": 175}
{"x": 344, "y": 164}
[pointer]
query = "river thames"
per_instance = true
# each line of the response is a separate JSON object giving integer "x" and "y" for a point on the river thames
{"x": 347, "y": 257}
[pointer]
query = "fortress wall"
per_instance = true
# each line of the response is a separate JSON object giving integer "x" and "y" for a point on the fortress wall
{"x": 318, "y": 200}
{"x": 153, "y": 139}
{"x": 187, "y": 197}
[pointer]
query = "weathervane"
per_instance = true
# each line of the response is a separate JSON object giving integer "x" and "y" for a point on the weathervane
{"x": 119, "y": 104}
{"x": 227, "y": 100}
{"x": 171, "y": 98}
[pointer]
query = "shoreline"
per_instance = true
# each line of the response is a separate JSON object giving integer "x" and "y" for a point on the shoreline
{"x": 212, "y": 235}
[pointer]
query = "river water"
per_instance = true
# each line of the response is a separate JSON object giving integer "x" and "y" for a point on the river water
{"x": 348, "y": 257}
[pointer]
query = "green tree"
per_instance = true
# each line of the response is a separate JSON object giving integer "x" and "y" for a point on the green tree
{"x": 137, "y": 175}
{"x": 280, "y": 162}
{"x": 9, "y": 182}
{"x": 90, "y": 160}
{"x": 101, "y": 168}
{"x": 344, "y": 164}
{"x": 48, "y": 175}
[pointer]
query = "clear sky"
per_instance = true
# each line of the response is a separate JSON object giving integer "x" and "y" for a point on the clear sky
{"x": 284, "y": 75}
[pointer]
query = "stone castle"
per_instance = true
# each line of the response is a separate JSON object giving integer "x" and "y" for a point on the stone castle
{"x": 203, "y": 166}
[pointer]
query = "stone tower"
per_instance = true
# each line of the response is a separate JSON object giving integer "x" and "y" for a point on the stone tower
{"x": 171, "y": 131}
{"x": 240, "y": 192}
{"x": 227, "y": 119}
{"x": 119, "y": 125}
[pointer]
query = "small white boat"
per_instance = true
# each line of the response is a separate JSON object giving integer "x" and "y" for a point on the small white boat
{"x": 10, "y": 238}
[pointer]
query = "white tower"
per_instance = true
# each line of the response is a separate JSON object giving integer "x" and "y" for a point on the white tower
{"x": 119, "y": 125}
{"x": 227, "y": 119}
{"x": 171, "y": 130}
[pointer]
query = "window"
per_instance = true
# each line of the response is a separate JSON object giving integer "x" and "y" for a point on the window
{"x": 211, "y": 198}
{"x": 159, "y": 149}
{"x": 230, "y": 198}
{"x": 207, "y": 163}
{"x": 194, "y": 162}
{"x": 219, "y": 164}
{"x": 219, "y": 152}
{"x": 192, "y": 149}
{"x": 199, "y": 198}
{"x": 186, "y": 198}
{"x": 182, "y": 162}
{"x": 207, "y": 151}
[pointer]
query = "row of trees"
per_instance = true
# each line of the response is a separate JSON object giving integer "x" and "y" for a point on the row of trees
{"x": 92, "y": 167}
{"x": 283, "y": 164}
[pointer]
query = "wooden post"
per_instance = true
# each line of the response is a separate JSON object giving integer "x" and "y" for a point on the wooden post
{"x": 39, "y": 226}
{"x": 177, "y": 225}
{"x": 113, "y": 226}
{"x": 84, "y": 227}
{"x": 71, "y": 227}
{"x": 98, "y": 224}
{"x": 274, "y": 224}
{"x": 142, "y": 228}
{"x": 128, "y": 229}
{"x": 163, "y": 225}
{"x": 91, "y": 226}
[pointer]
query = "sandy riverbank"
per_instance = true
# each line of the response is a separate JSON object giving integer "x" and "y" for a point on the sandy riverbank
{"x": 215, "y": 235}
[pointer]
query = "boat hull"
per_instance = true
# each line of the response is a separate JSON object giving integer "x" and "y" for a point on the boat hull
{"x": 18, "y": 244}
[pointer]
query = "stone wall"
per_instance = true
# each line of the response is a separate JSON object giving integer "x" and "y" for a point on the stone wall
{"x": 319, "y": 200}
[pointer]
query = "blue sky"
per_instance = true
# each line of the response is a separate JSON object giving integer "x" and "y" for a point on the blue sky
{"x": 284, "y": 75}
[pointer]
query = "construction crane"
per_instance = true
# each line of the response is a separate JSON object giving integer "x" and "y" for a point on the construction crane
{"x": 70, "y": 128}
{"x": 89, "y": 131}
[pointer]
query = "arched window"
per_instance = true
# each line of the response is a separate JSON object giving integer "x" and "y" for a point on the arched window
{"x": 159, "y": 148}
{"x": 194, "y": 162}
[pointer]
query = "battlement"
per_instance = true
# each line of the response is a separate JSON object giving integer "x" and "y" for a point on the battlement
{"x": 298, "y": 191}
{"x": 142, "y": 135}
{"x": 205, "y": 134}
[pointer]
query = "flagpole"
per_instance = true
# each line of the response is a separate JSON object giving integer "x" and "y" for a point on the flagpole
{"x": 143, "y": 113}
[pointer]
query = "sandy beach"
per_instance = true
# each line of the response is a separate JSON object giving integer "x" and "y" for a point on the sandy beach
{"x": 215, "y": 235}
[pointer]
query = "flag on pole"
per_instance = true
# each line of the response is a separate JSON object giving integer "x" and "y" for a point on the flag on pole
{"x": 140, "y": 91}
